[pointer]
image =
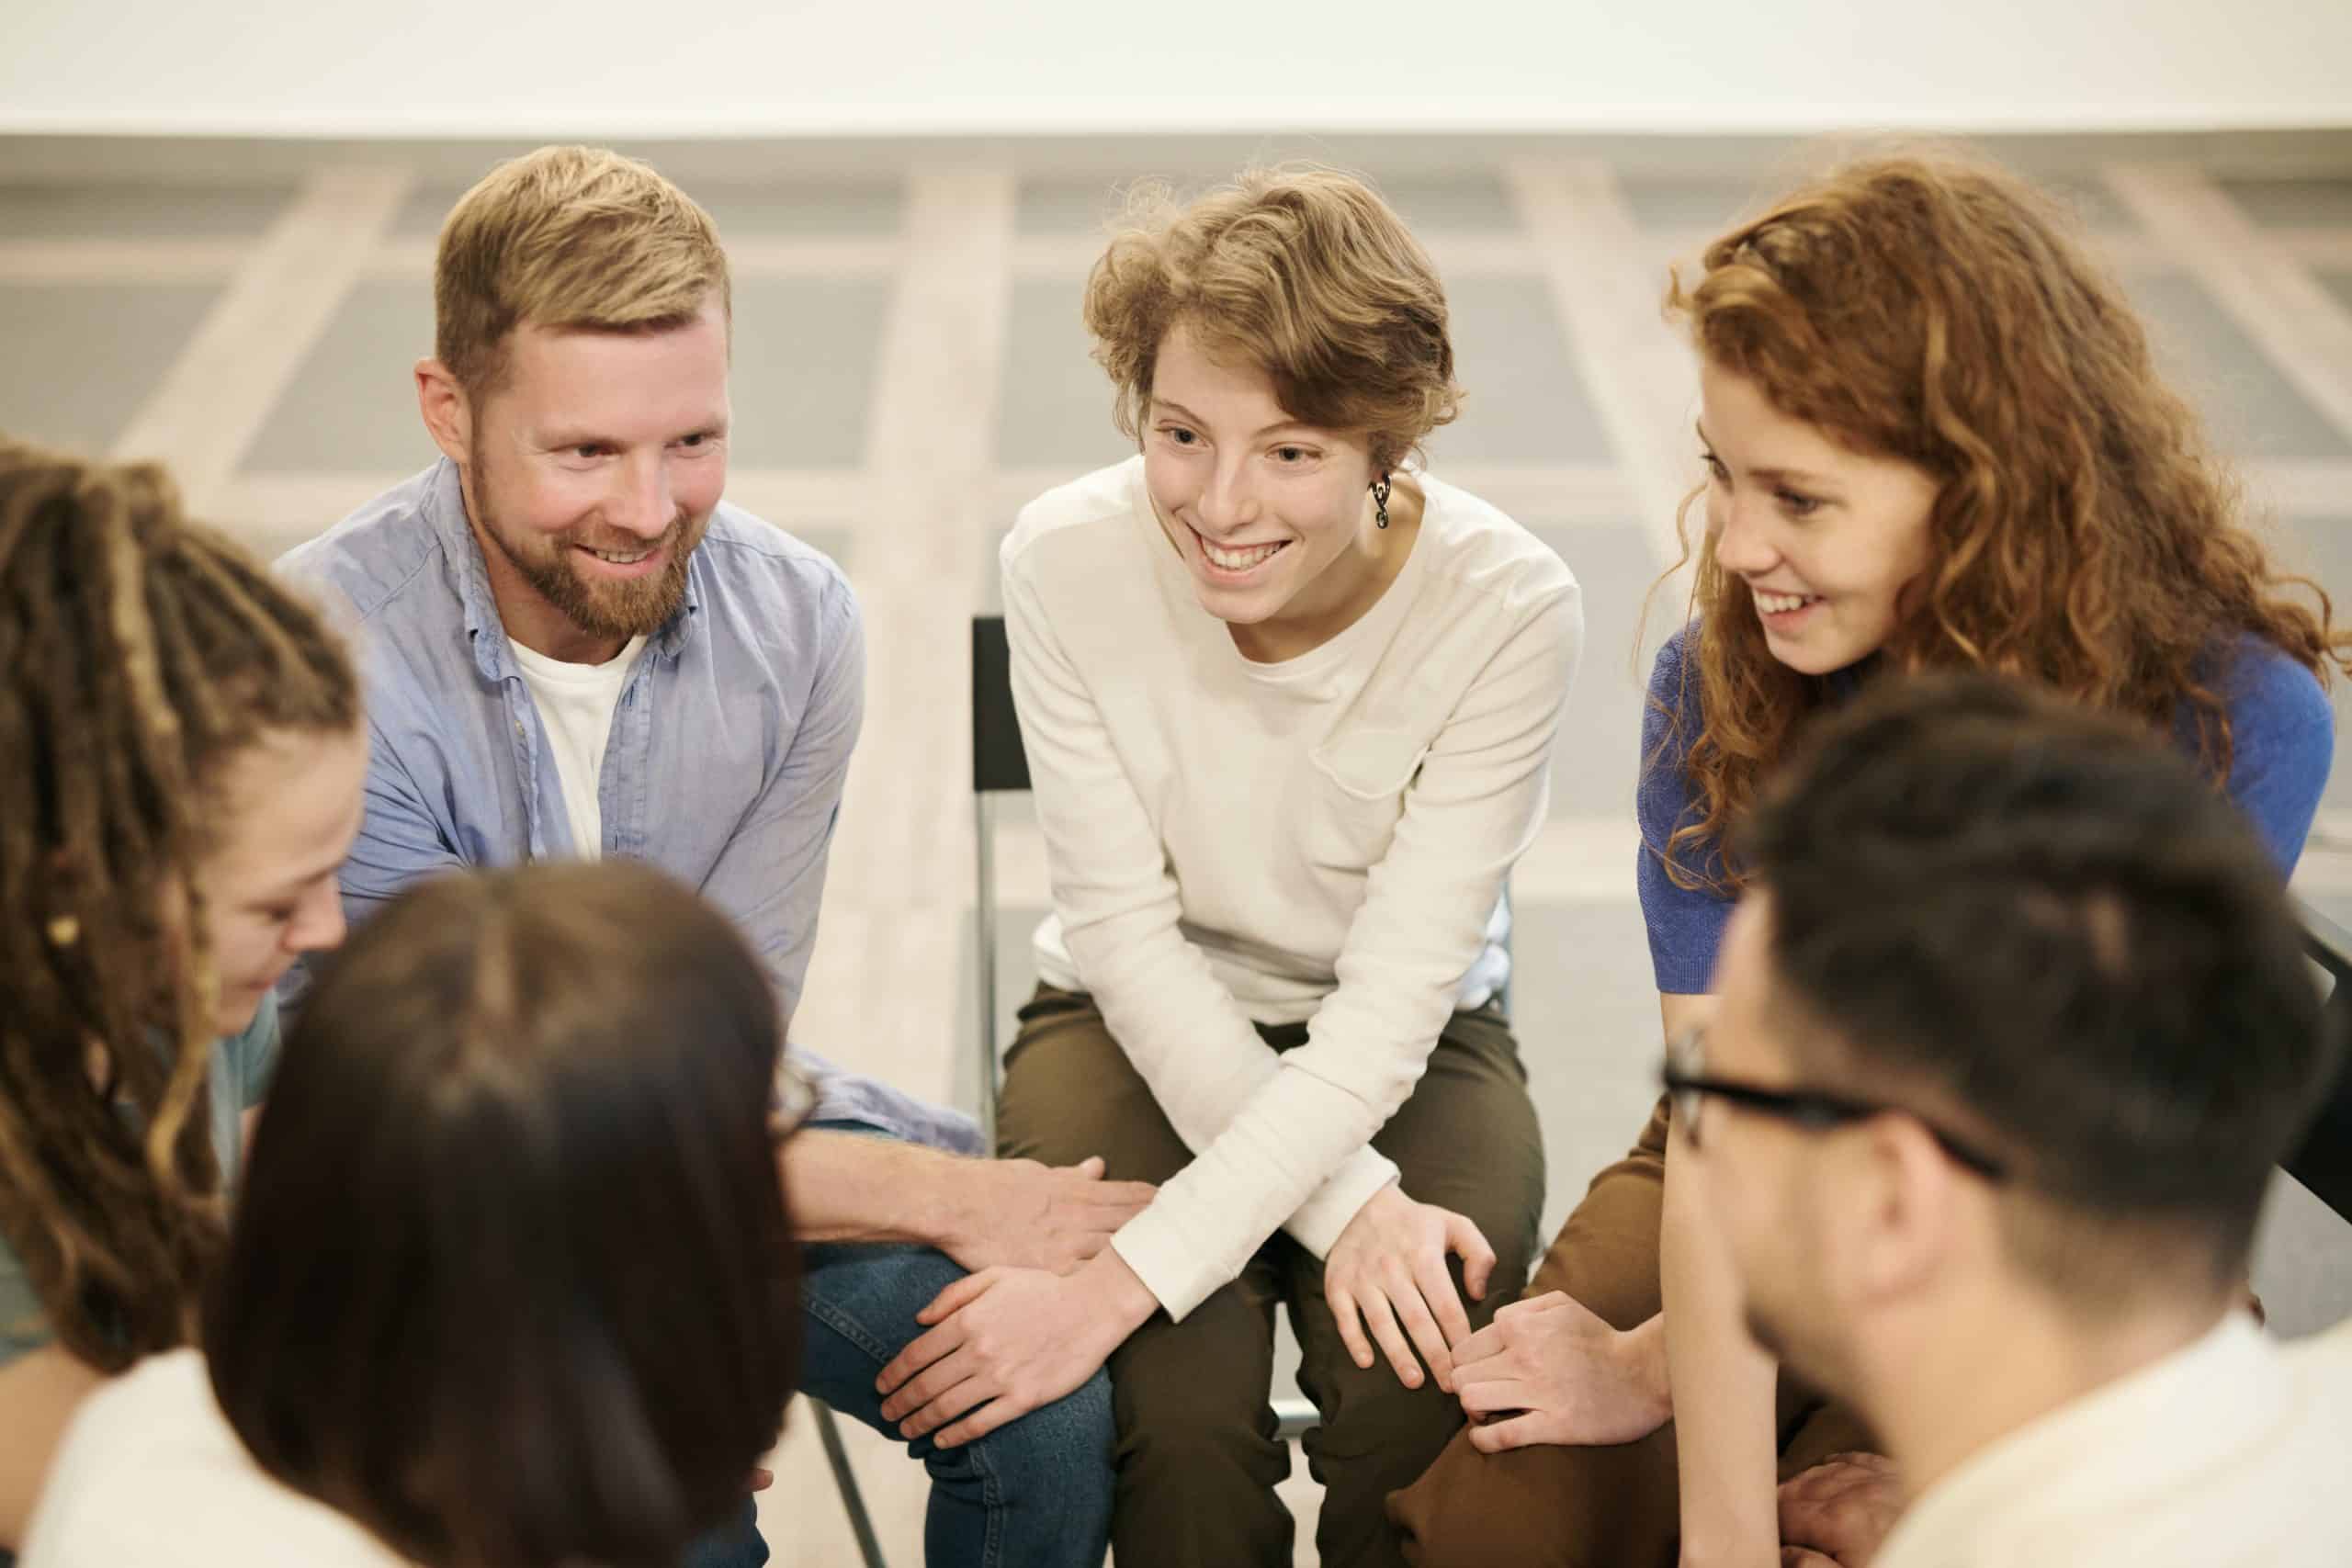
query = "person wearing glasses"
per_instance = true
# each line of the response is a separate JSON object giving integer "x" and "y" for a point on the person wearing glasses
{"x": 1988, "y": 1162}
{"x": 1934, "y": 437}
{"x": 511, "y": 1280}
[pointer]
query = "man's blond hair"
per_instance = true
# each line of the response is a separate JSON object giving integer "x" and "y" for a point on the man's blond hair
{"x": 572, "y": 237}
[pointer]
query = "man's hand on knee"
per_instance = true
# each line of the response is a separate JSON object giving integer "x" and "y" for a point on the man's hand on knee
{"x": 1017, "y": 1213}
{"x": 1004, "y": 1341}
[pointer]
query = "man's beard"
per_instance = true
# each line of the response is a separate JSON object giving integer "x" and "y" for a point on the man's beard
{"x": 624, "y": 609}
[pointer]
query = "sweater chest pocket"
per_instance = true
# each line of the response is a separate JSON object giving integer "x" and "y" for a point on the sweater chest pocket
{"x": 1356, "y": 794}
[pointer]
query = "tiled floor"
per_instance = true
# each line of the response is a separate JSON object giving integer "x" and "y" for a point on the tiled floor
{"x": 83, "y": 356}
{"x": 910, "y": 366}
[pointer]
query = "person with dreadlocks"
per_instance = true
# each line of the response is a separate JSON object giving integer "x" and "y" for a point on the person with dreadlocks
{"x": 181, "y": 772}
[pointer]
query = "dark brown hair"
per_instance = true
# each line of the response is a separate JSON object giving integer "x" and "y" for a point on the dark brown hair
{"x": 2046, "y": 920}
{"x": 1937, "y": 311}
{"x": 1303, "y": 272}
{"x": 511, "y": 1281}
{"x": 139, "y": 654}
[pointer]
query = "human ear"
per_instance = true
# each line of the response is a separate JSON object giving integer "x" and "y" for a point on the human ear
{"x": 446, "y": 410}
{"x": 1904, "y": 1219}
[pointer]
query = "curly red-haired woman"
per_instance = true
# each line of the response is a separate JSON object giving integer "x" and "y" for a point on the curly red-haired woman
{"x": 1934, "y": 437}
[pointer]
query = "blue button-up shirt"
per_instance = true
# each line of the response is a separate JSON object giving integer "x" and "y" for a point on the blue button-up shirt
{"x": 724, "y": 766}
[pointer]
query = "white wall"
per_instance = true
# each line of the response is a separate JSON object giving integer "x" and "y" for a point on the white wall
{"x": 614, "y": 68}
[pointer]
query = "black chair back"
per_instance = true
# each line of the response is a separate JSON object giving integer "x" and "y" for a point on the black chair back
{"x": 2324, "y": 1162}
{"x": 998, "y": 761}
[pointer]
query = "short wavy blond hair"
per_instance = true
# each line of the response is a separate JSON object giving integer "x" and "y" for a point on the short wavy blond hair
{"x": 572, "y": 237}
{"x": 1303, "y": 272}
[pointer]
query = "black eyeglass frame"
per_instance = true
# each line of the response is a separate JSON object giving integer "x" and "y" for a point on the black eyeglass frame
{"x": 1818, "y": 1111}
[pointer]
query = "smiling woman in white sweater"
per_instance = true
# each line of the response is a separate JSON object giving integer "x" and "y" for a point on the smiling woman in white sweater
{"x": 1289, "y": 706}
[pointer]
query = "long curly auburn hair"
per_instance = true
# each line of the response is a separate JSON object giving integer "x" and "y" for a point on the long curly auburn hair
{"x": 1935, "y": 310}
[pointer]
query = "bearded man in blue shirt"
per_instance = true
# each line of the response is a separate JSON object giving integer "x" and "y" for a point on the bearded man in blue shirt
{"x": 573, "y": 646}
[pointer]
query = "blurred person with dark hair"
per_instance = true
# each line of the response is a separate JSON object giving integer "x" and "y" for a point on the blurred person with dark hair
{"x": 511, "y": 1282}
{"x": 2014, "y": 1022}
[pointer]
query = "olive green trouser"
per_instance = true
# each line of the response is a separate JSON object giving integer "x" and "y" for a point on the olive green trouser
{"x": 1197, "y": 1456}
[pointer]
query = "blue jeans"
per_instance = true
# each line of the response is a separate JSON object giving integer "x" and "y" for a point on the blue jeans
{"x": 1033, "y": 1493}
{"x": 739, "y": 1545}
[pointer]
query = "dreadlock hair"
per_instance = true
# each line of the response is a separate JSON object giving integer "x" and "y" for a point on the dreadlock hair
{"x": 139, "y": 652}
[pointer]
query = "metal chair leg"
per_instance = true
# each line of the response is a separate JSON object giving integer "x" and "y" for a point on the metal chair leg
{"x": 984, "y": 927}
{"x": 829, "y": 1432}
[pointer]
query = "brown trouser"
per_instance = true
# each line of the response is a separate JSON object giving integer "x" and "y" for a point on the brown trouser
{"x": 1592, "y": 1508}
{"x": 1197, "y": 1455}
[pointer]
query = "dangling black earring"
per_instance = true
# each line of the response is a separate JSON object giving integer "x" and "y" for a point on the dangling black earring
{"x": 1380, "y": 502}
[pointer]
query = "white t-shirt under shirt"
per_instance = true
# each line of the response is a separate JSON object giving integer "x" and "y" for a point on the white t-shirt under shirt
{"x": 2232, "y": 1453}
{"x": 151, "y": 1472}
{"x": 1322, "y": 839}
{"x": 576, "y": 702}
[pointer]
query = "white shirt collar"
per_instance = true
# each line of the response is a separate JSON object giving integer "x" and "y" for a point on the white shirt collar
{"x": 2088, "y": 1459}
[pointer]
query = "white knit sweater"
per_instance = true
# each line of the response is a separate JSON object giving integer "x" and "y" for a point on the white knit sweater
{"x": 1322, "y": 839}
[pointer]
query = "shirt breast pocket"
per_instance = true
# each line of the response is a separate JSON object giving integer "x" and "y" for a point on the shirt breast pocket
{"x": 1359, "y": 782}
